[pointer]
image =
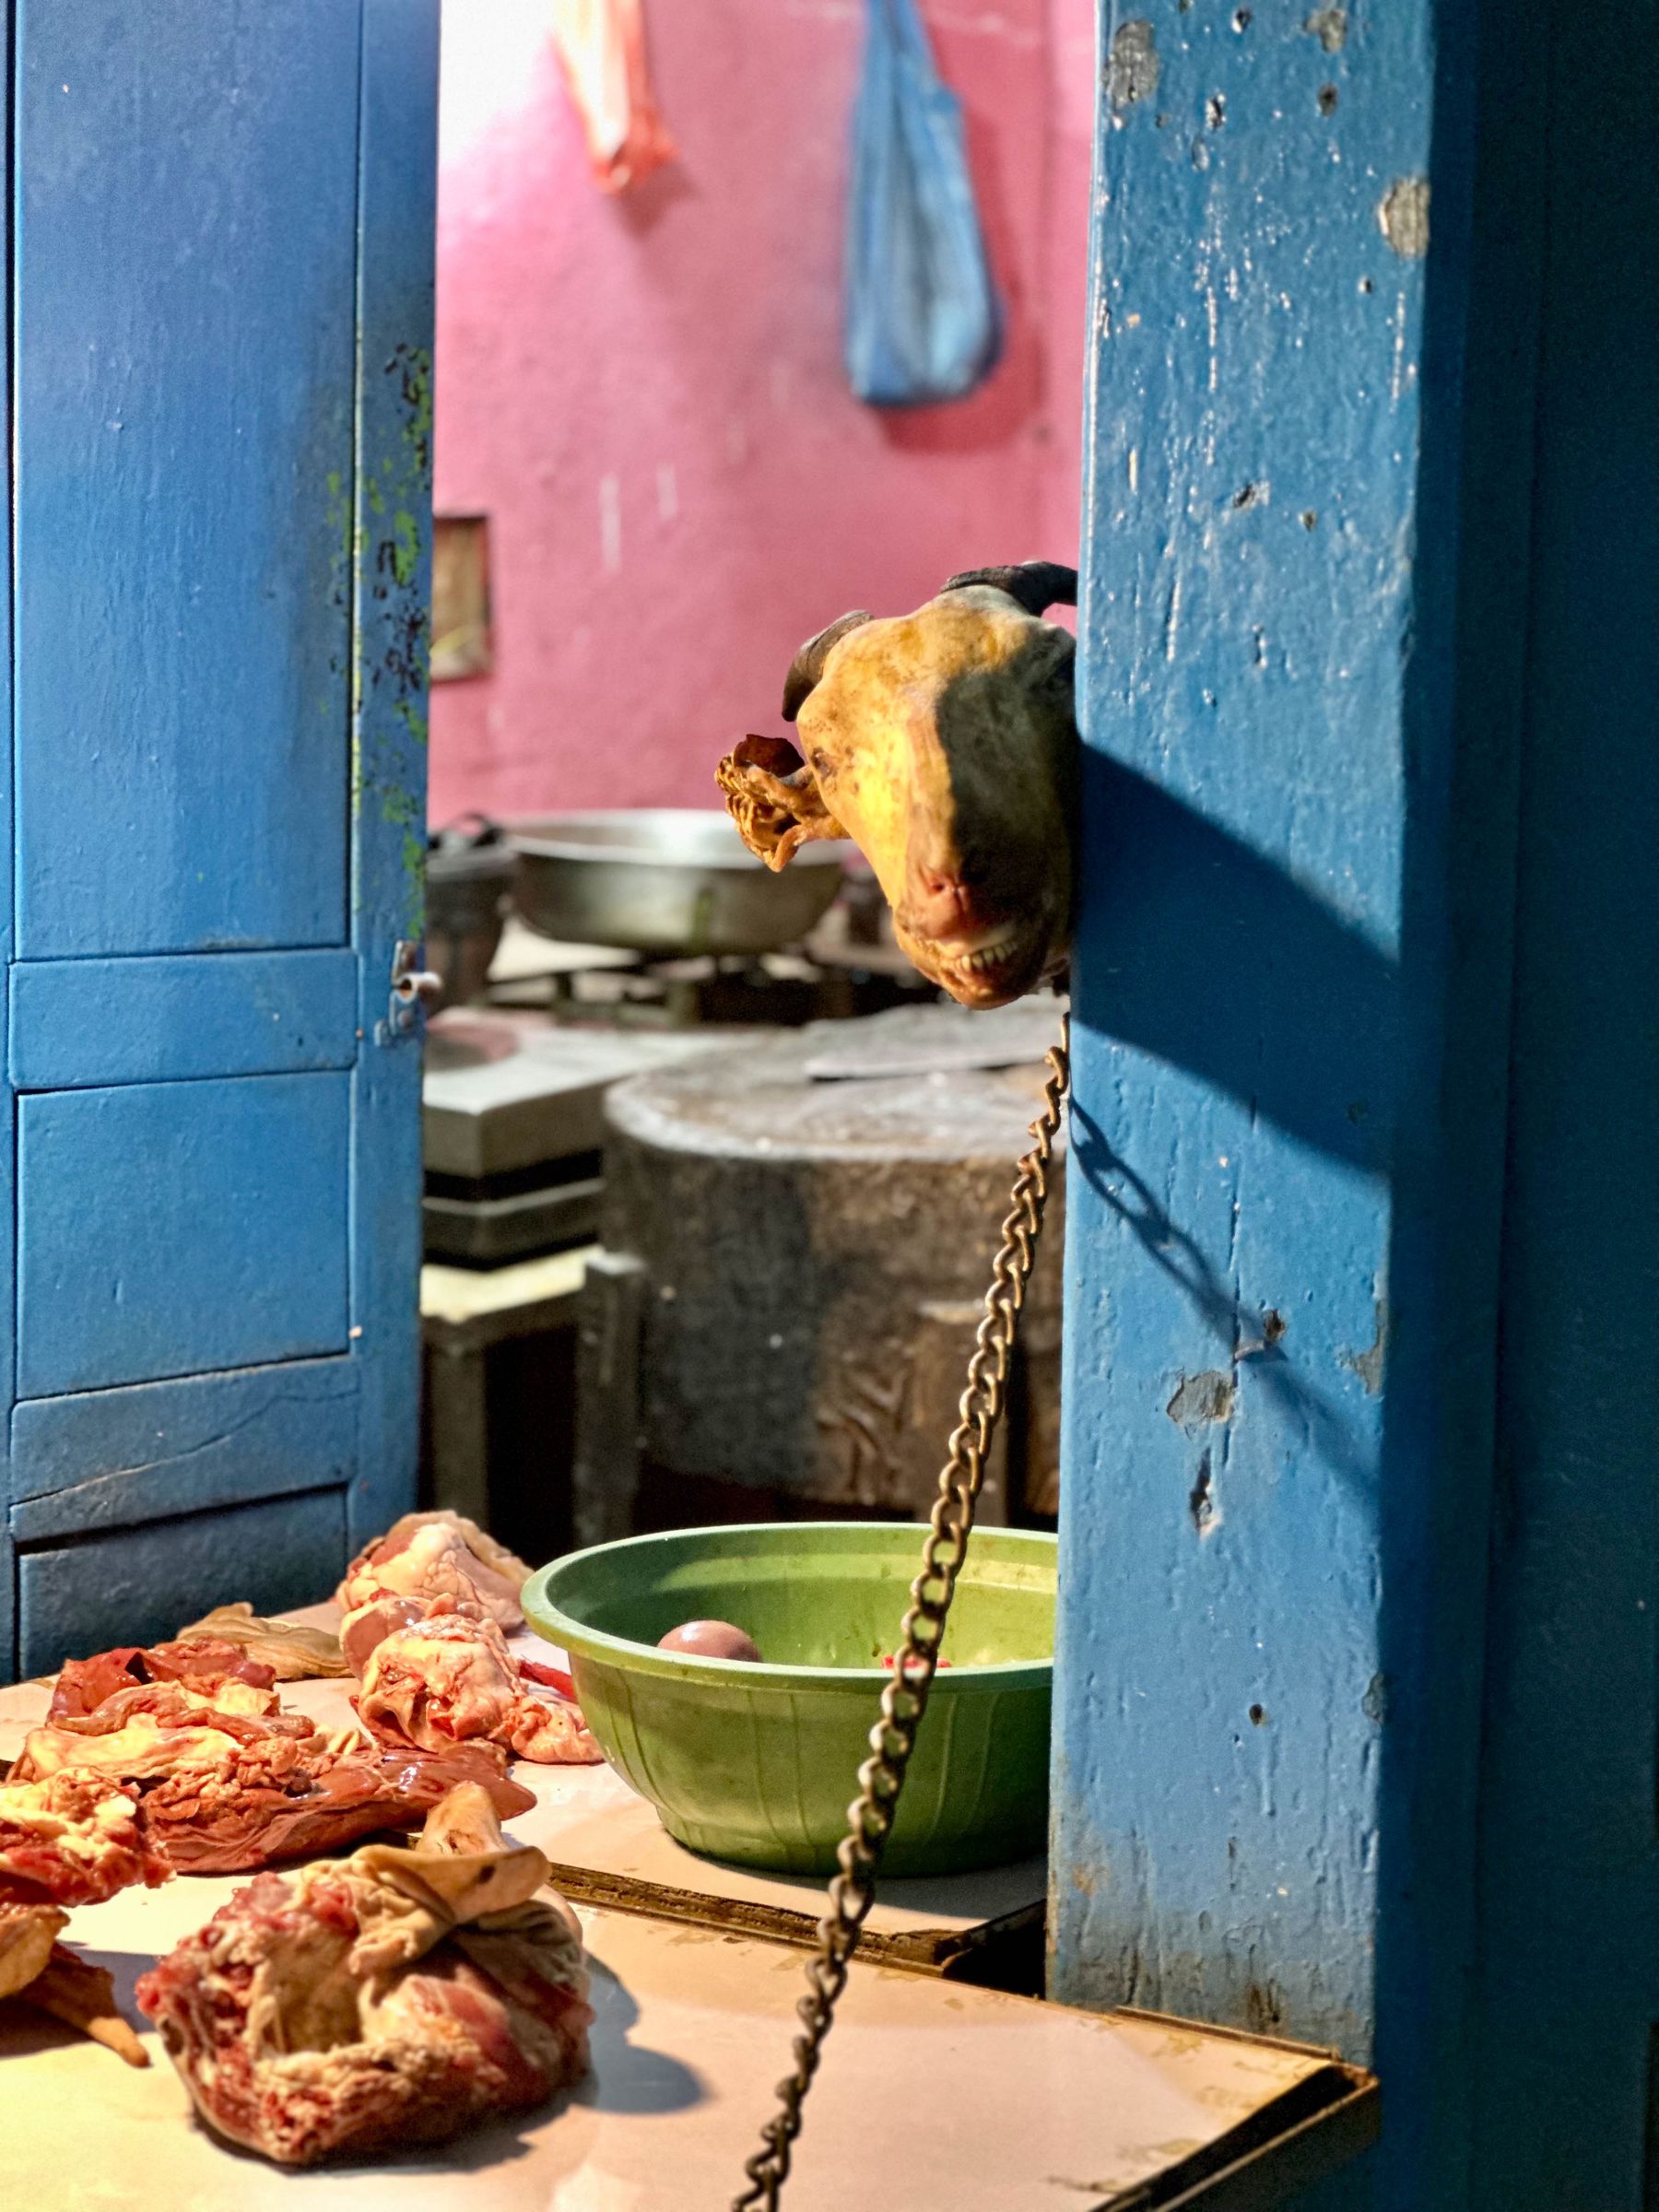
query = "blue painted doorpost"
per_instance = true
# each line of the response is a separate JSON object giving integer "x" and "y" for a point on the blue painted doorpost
{"x": 1316, "y": 303}
{"x": 1568, "y": 1865}
{"x": 221, "y": 240}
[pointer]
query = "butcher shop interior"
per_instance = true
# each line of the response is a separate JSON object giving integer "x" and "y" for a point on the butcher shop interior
{"x": 829, "y": 1038}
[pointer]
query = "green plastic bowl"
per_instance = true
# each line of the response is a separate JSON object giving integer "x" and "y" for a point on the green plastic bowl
{"x": 759, "y": 1763}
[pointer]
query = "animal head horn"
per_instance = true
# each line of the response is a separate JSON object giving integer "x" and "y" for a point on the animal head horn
{"x": 1036, "y": 585}
{"x": 808, "y": 664}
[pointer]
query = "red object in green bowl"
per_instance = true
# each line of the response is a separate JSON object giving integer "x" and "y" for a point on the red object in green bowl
{"x": 759, "y": 1762}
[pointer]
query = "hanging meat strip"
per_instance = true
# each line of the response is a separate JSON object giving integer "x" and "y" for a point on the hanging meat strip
{"x": 601, "y": 47}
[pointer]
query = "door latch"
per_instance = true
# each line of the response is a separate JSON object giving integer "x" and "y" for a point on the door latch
{"x": 413, "y": 986}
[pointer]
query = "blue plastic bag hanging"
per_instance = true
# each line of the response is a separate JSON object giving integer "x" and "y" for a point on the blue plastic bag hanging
{"x": 923, "y": 318}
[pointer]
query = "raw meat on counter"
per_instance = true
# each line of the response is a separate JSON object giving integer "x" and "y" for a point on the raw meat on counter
{"x": 399, "y": 1996}
{"x": 441, "y": 1674}
{"x": 68, "y": 1839}
{"x": 223, "y": 1792}
{"x": 73, "y": 1838}
{"x": 375, "y": 1619}
{"x": 38, "y": 1969}
{"x": 438, "y": 1555}
{"x": 292, "y": 1649}
{"x": 141, "y": 1734}
{"x": 84, "y": 1683}
{"x": 27, "y": 1935}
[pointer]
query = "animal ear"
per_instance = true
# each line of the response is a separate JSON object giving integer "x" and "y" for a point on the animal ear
{"x": 808, "y": 664}
{"x": 774, "y": 799}
{"x": 1036, "y": 585}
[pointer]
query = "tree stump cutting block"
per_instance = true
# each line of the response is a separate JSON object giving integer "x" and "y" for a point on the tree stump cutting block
{"x": 793, "y": 1271}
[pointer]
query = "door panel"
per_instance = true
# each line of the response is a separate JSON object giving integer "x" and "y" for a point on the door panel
{"x": 168, "y": 1228}
{"x": 185, "y": 267}
{"x": 221, "y": 226}
{"x": 108, "y": 1456}
{"x": 138, "y": 1585}
{"x": 85, "y": 1022}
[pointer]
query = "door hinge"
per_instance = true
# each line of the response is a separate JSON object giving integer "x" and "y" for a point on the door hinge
{"x": 413, "y": 986}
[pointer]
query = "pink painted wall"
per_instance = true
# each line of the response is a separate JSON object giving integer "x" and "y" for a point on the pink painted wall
{"x": 1073, "y": 91}
{"x": 645, "y": 395}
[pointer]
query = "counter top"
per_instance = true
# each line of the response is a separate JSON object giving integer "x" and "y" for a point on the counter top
{"x": 1043, "y": 2109}
{"x": 608, "y": 1848}
{"x": 1047, "y": 2110}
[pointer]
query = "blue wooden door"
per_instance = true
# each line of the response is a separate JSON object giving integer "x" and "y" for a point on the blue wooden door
{"x": 221, "y": 240}
{"x": 1307, "y": 643}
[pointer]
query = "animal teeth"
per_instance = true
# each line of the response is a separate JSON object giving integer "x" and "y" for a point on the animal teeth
{"x": 987, "y": 956}
{"x": 984, "y": 952}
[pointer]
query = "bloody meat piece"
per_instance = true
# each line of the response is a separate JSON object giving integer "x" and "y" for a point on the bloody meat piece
{"x": 438, "y": 1555}
{"x": 38, "y": 1968}
{"x": 183, "y": 1704}
{"x": 551, "y": 1677}
{"x": 293, "y": 1650}
{"x": 146, "y": 1729}
{"x": 72, "y": 1838}
{"x": 448, "y": 1678}
{"x": 83, "y": 1996}
{"x": 399, "y": 1997}
{"x": 233, "y": 1820}
{"x": 28, "y": 1937}
{"x": 221, "y": 1792}
{"x": 371, "y": 1623}
{"x": 83, "y": 1684}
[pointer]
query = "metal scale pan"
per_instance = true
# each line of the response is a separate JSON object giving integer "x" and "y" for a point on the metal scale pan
{"x": 674, "y": 881}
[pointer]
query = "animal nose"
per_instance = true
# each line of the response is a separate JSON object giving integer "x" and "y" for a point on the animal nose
{"x": 944, "y": 902}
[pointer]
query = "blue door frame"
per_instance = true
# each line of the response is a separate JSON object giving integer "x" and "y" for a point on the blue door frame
{"x": 1356, "y": 1719}
{"x": 220, "y": 241}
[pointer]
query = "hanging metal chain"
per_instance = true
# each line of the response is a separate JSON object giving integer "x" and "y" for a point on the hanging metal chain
{"x": 904, "y": 1698}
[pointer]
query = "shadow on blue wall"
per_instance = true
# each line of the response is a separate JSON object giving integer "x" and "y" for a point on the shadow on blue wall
{"x": 1224, "y": 966}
